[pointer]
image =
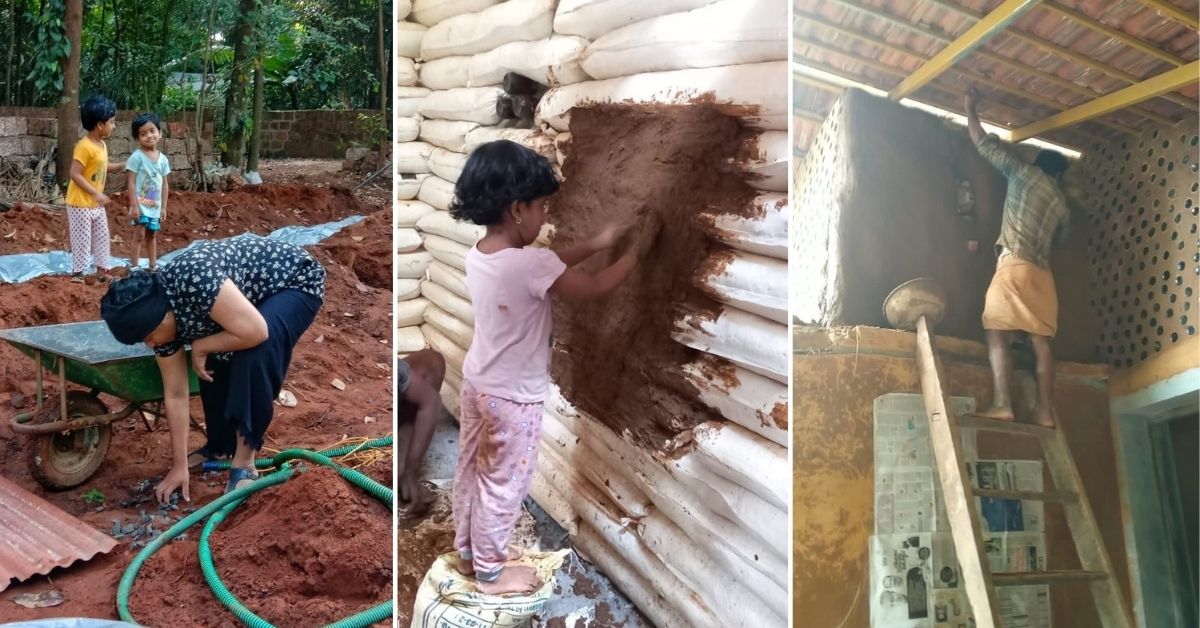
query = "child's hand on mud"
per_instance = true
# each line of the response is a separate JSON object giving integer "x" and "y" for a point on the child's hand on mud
{"x": 177, "y": 478}
{"x": 613, "y": 233}
{"x": 102, "y": 198}
{"x": 639, "y": 244}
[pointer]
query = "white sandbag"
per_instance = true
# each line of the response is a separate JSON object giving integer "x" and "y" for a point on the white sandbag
{"x": 447, "y": 164}
{"x": 407, "y": 213}
{"x": 447, "y": 598}
{"x": 746, "y": 459}
{"x": 766, "y": 161}
{"x": 406, "y": 185}
{"x": 745, "y": 339}
{"x": 406, "y": 240}
{"x": 412, "y": 265}
{"x": 438, "y": 192}
{"x": 757, "y": 93}
{"x": 757, "y": 403}
{"x": 450, "y": 278}
{"x": 754, "y": 283}
{"x": 405, "y": 72}
{"x": 408, "y": 38}
{"x": 446, "y": 73}
{"x": 408, "y": 100}
{"x": 441, "y": 223}
{"x": 532, "y": 139}
{"x": 430, "y": 12}
{"x": 553, "y": 61}
{"x": 447, "y": 251}
{"x": 407, "y": 288}
{"x": 763, "y": 232}
{"x": 448, "y": 134}
{"x": 623, "y": 492}
{"x": 553, "y": 502}
{"x": 412, "y": 157}
{"x": 593, "y": 18}
{"x": 443, "y": 345}
{"x": 458, "y": 332}
{"x": 472, "y": 33}
{"x": 410, "y": 340}
{"x": 411, "y": 312}
{"x": 450, "y": 389}
{"x": 662, "y": 612}
{"x": 448, "y": 302}
{"x": 735, "y": 502}
{"x": 729, "y": 32}
{"x": 407, "y": 128}
{"x": 401, "y": 9}
{"x": 466, "y": 104}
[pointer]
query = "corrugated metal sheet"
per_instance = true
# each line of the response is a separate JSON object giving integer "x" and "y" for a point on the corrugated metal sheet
{"x": 1032, "y": 69}
{"x": 36, "y": 536}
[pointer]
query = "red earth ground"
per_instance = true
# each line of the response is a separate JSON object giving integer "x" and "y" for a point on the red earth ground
{"x": 350, "y": 341}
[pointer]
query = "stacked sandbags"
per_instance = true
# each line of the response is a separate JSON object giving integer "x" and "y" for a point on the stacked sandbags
{"x": 698, "y": 539}
{"x": 409, "y": 158}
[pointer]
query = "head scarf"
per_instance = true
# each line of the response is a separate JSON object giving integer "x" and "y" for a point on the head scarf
{"x": 134, "y": 306}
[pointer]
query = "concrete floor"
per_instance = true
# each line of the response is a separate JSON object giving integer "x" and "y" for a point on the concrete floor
{"x": 584, "y": 597}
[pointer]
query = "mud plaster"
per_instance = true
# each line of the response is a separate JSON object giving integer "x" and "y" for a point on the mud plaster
{"x": 614, "y": 357}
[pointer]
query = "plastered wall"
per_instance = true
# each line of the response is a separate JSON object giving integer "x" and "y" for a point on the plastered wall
{"x": 838, "y": 373}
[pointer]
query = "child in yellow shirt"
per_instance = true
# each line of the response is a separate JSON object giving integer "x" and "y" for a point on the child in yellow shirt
{"x": 86, "y": 217}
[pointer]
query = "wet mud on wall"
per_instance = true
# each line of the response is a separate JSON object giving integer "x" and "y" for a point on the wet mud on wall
{"x": 833, "y": 477}
{"x": 614, "y": 357}
{"x": 899, "y": 222}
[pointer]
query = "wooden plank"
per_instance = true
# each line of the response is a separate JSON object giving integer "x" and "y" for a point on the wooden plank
{"x": 976, "y": 422}
{"x": 1045, "y": 577}
{"x": 1110, "y": 601}
{"x": 1061, "y": 498}
{"x": 960, "y": 503}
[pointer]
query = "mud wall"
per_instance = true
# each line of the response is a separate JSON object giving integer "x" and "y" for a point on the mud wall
{"x": 316, "y": 134}
{"x": 838, "y": 373}
{"x": 707, "y": 544}
{"x": 1142, "y": 207}
{"x": 901, "y": 170}
{"x": 29, "y": 134}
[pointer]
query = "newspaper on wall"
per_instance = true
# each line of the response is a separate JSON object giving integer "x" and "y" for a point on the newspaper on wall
{"x": 915, "y": 577}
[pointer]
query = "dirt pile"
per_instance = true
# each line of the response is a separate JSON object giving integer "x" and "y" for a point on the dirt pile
{"x": 305, "y": 553}
{"x": 361, "y": 248}
{"x": 614, "y": 357}
{"x": 190, "y": 216}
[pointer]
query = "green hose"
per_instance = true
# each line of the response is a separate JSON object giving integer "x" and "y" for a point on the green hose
{"x": 216, "y": 512}
{"x": 269, "y": 463}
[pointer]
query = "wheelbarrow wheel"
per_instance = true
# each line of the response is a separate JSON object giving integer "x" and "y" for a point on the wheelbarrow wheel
{"x": 63, "y": 461}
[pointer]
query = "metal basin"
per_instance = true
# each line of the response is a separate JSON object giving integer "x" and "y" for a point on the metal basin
{"x": 913, "y": 299}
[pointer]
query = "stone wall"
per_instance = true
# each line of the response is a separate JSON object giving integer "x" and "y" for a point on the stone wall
{"x": 314, "y": 134}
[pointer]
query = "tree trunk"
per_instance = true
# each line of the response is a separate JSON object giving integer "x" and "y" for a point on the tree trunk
{"x": 68, "y": 103}
{"x": 160, "y": 84}
{"x": 256, "y": 130}
{"x": 384, "y": 83}
{"x": 235, "y": 102}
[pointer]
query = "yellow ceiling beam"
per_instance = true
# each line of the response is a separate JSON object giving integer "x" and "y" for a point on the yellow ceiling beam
{"x": 1173, "y": 12}
{"x": 1166, "y": 82}
{"x": 984, "y": 29}
{"x": 1108, "y": 31}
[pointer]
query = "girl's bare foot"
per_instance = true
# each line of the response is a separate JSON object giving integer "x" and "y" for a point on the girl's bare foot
{"x": 513, "y": 579}
{"x": 1043, "y": 416}
{"x": 467, "y": 568}
{"x": 999, "y": 413}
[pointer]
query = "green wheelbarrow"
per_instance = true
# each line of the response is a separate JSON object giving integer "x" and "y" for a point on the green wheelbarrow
{"x": 70, "y": 435}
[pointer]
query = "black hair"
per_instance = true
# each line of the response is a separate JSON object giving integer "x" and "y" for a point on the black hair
{"x": 96, "y": 109}
{"x": 496, "y": 175}
{"x": 1051, "y": 162}
{"x": 134, "y": 306}
{"x": 141, "y": 120}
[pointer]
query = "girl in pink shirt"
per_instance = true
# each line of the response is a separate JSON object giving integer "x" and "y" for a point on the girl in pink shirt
{"x": 506, "y": 376}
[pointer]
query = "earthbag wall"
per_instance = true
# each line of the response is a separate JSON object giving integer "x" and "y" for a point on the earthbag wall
{"x": 698, "y": 539}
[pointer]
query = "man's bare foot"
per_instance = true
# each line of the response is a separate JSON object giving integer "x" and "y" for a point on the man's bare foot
{"x": 513, "y": 579}
{"x": 1044, "y": 416}
{"x": 467, "y": 568}
{"x": 999, "y": 413}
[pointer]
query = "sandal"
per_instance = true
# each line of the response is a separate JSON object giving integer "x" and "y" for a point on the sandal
{"x": 77, "y": 278}
{"x": 238, "y": 475}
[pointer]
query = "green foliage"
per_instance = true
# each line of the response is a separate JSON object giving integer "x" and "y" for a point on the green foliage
{"x": 375, "y": 127}
{"x": 51, "y": 47}
{"x": 94, "y": 497}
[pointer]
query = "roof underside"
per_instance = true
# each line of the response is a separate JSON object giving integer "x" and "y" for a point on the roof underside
{"x": 1055, "y": 56}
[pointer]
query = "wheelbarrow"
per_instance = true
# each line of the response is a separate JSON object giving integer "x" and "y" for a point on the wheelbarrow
{"x": 70, "y": 435}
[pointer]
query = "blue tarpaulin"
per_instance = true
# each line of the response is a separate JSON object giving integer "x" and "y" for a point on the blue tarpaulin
{"x": 23, "y": 267}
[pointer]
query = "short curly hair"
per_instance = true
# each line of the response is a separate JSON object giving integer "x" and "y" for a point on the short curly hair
{"x": 96, "y": 109}
{"x": 496, "y": 175}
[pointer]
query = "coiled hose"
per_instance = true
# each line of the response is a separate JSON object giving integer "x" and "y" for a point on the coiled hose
{"x": 215, "y": 512}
